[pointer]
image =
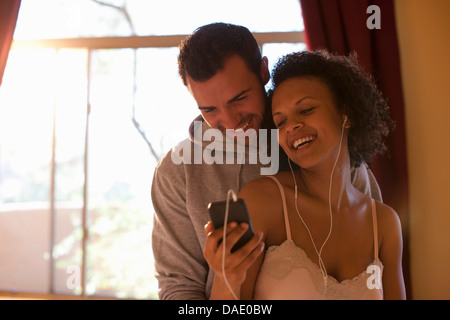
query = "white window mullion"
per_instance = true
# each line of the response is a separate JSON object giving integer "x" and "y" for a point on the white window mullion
{"x": 86, "y": 176}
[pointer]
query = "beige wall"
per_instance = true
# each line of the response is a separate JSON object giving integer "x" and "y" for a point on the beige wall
{"x": 424, "y": 37}
{"x": 25, "y": 238}
{"x": 24, "y": 253}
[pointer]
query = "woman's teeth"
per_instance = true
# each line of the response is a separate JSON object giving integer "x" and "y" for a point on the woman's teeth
{"x": 302, "y": 142}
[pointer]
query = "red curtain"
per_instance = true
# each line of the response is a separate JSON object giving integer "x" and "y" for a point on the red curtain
{"x": 340, "y": 26}
{"x": 9, "y": 11}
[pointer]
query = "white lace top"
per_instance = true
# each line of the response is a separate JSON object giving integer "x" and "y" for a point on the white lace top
{"x": 287, "y": 273}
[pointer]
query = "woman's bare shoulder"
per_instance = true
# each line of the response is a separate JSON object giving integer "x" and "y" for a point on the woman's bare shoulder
{"x": 388, "y": 219}
{"x": 258, "y": 188}
{"x": 389, "y": 228}
{"x": 391, "y": 251}
{"x": 263, "y": 200}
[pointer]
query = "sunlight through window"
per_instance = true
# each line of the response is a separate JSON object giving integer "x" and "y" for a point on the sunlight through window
{"x": 82, "y": 129}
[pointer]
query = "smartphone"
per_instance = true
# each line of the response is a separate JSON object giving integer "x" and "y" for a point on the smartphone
{"x": 237, "y": 211}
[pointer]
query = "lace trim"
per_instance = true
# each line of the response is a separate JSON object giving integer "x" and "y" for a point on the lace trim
{"x": 281, "y": 260}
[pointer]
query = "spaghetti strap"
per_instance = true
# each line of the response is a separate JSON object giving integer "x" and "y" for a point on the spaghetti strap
{"x": 285, "y": 212}
{"x": 375, "y": 229}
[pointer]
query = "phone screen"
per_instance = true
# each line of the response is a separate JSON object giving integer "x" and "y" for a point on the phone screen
{"x": 237, "y": 212}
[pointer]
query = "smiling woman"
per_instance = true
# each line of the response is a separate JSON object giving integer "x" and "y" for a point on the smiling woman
{"x": 325, "y": 231}
{"x": 90, "y": 100}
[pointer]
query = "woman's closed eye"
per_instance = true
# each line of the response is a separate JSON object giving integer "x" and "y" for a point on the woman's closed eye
{"x": 279, "y": 122}
{"x": 306, "y": 111}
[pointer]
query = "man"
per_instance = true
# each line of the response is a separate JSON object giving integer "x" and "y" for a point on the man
{"x": 222, "y": 67}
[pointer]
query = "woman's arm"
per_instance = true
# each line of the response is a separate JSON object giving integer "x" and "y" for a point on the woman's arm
{"x": 391, "y": 250}
{"x": 263, "y": 203}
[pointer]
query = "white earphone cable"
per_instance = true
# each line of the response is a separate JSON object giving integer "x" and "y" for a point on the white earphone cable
{"x": 319, "y": 253}
{"x": 225, "y": 222}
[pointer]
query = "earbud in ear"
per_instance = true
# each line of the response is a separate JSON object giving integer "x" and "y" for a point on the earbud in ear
{"x": 345, "y": 121}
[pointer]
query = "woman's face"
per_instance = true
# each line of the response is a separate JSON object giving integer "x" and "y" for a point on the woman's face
{"x": 309, "y": 122}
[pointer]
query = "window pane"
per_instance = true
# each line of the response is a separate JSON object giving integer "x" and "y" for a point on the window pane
{"x": 70, "y": 130}
{"x": 121, "y": 162}
{"x": 91, "y": 18}
{"x": 26, "y": 120}
{"x": 183, "y": 17}
{"x": 119, "y": 260}
{"x": 274, "y": 51}
{"x": 127, "y": 85}
{"x": 53, "y": 19}
{"x": 164, "y": 107}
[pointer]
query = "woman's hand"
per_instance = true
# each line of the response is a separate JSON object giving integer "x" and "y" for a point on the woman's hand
{"x": 236, "y": 264}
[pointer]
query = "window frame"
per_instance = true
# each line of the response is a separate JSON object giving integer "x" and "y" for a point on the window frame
{"x": 97, "y": 43}
{"x": 136, "y": 42}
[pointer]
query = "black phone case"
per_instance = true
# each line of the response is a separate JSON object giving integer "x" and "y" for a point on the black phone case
{"x": 237, "y": 212}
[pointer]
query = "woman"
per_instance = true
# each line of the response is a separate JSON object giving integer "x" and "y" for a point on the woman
{"x": 325, "y": 239}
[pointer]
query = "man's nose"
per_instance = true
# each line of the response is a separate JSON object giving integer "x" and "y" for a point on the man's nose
{"x": 230, "y": 119}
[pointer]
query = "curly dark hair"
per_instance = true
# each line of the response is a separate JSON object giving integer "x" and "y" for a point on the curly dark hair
{"x": 355, "y": 93}
{"x": 203, "y": 53}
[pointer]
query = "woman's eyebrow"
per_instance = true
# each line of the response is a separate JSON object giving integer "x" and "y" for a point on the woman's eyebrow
{"x": 276, "y": 114}
{"x": 302, "y": 99}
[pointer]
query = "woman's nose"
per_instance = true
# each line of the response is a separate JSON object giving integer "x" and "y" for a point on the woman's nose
{"x": 293, "y": 126}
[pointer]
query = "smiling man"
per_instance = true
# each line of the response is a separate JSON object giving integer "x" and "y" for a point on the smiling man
{"x": 234, "y": 97}
{"x": 222, "y": 67}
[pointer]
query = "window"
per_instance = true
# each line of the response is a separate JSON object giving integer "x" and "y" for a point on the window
{"x": 86, "y": 110}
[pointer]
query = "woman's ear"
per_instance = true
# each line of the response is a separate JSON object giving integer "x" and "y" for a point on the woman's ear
{"x": 265, "y": 74}
{"x": 346, "y": 124}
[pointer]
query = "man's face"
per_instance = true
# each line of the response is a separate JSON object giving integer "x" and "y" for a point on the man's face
{"x": 233, "y": 98}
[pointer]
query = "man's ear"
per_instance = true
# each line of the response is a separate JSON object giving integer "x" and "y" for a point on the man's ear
{"x": 265, "y": 74}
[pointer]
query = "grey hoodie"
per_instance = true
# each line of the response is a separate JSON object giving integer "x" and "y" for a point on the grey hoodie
{"x": 181, "y": 194}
